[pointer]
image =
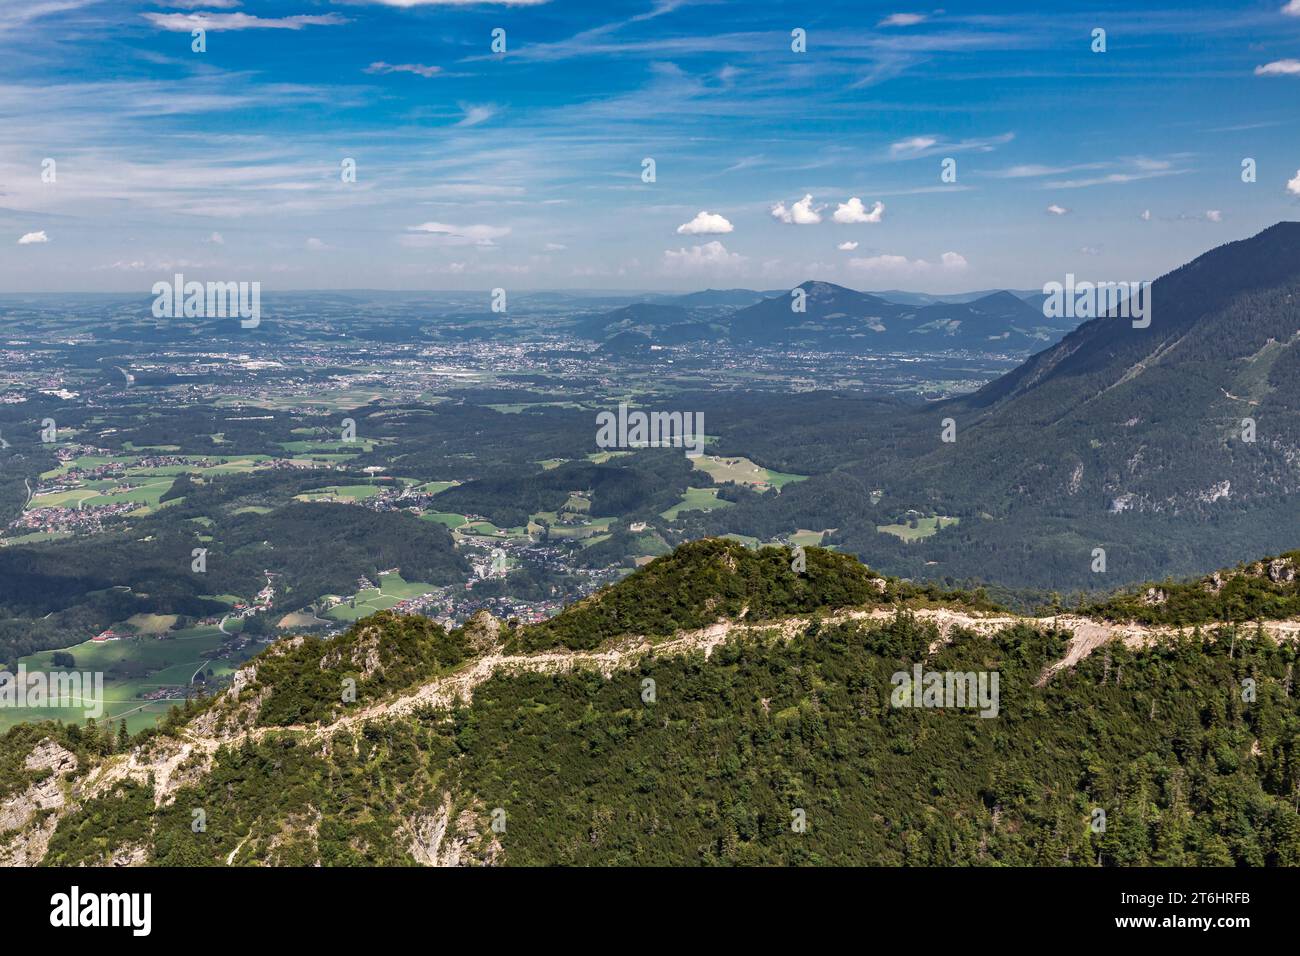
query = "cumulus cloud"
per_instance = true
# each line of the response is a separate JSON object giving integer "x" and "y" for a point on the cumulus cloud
{"x": 712, "y": 257}
{"x": 847, "y": 246}
{"x": 801, "y": 213}
{"x": 1214, "y": 215}
{"x": 705, "y": 224}
{"x": 419, "y": 69}
{"x": 188, "y": 22}
{"x": 33, "y": 237}
{"x": 1055, "y": 210}
{"x": 901, "y": 267}
{"x": 1145, "y": 215}
{"x": 316, "y": 245}
{"x": 852, "y": 212}
{"x": 217, "y": 239}
{"x": 907, "y": 19}
{"x": 447, "y": 234}
{"x": 1293, "y": 185}
{"x": 1292, "y": 9}
{"x": 1279, "y": 68}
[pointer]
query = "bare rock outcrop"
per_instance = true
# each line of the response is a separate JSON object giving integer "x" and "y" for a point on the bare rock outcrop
{"x": 483, "y": 632}
{"x": 1281, "y": 571}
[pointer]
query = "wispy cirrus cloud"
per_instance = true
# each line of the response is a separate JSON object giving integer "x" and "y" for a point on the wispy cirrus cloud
{"x": 216, "y": 22}
{"x": 915, "y": 147}
{"x": 902, "y": 20}
{"x": 408, "y": 4}
{"x": 1112, "y": 179}
{"x": 15, "y": 15}
{"x": 419, "y": 69}
{"x": 1110, "y": 172}
{"x": 474, "y": 115}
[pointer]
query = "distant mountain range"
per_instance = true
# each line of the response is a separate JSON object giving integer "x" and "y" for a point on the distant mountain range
{"x": 1176, "y": 447}
{"x": 824, "y": 315}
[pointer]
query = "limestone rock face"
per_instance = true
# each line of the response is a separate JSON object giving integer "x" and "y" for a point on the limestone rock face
{"x": 1154, "y": 596}
{"x": 20, "y": 812}
{"x": 484, "y": 632}
{"x": 48, "y": 755}
{"x": 1281, "y": 571}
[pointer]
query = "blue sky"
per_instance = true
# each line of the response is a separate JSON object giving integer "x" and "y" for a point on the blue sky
{"x": 524, "y": 170}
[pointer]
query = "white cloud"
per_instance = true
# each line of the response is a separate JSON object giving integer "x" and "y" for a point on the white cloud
{"x": 1279, "y": 68}
{"x": 187, "y": 22}
{"x": 1292, "y": 9}
{"x": 217, "y": 239}
{"x": 915, "y": 147}
{"x": 913, "y": 144}
{"x": 853, "y": 212}
{"x": 476, "y": 114}
{"x": 1214, "y": 215}
{"x": 407, "y": 4}
{"x": 801, "y": 213}
{"x": 847, "y": 246}
{"x": 316, "y": 245}
{"x": 705, "y": 224}
{"x": 1293, "y": 186}
{"x": 33, "y": 237}
{"x": 1056, "y": 210}
{"x": 907, "y": 19}
{"x": 419, "y": 69}
{"x": 555, "y": 247}
{"x": 1146, "y": 215}
{"x": 901, "y": 267}
{"x": 712, "y": 257}
{"x": 447, "y": 234}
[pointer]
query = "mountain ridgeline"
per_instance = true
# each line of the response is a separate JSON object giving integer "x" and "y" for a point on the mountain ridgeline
{"x": 825, "y": 315}
{"x": 1174, "y": 448}
{"x": 717, "y": 707}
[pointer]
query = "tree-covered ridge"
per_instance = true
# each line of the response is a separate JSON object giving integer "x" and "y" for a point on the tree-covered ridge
{"x": 1189, "y": 747}
{"x": 1264, "y": 590}
{"x": 309, "y": 680}
{"x": 1161, "y": 740}
{"x": 701, "y": 582}
{"x": 584, "y": 770}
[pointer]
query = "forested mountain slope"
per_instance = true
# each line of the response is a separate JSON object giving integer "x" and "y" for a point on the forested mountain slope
{"x": 1174, "y": 447}
{"x": 765, "y": 732}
